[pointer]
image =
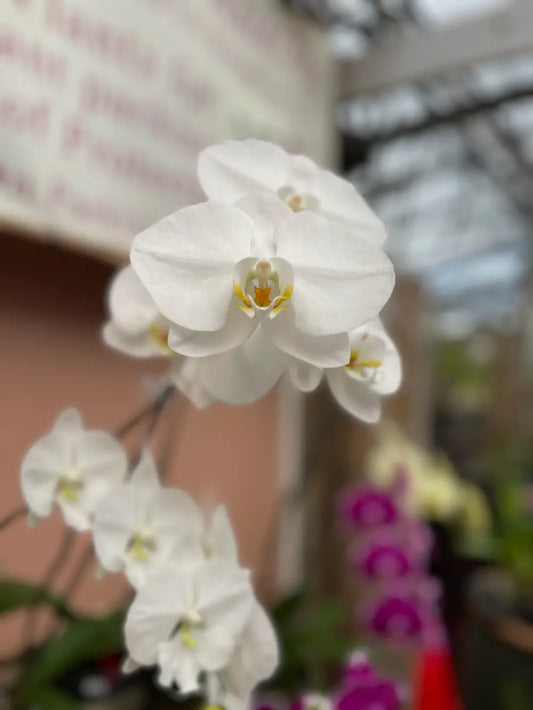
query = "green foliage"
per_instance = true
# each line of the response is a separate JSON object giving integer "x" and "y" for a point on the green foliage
{"x": 83, "y": 640}
{"x": 14, "y": 595}
{"x": 313, "y": 639}
{"x": 514, "y": 695}
{"x": 50, "y": 699}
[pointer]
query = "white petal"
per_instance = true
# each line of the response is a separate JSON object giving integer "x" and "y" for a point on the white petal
{"x": 390, "y": 372}
{"x": 178, "y": 666}
{"x": 355, "y": 396}
{"x": 98, "y": 454}
{"x": 322, "y": 351}
{"x": 340, "y": 280}
{"x": 224, "y": 595}
{"x": 75, "y": 516}
{"x": 69, "y": 424}
{"x": 145, "y": 475}
{"x": 129, "y": 665}
{"x": 152, "y": 617}
{"x": 221, "y": 538}
{"x": 339, "y": 200}
{"x": 132, "y": 309}
{"x": 245, "y": 373}
{"x": 102, "y": 463}
{"x": 142, "y": 345}
{"x": 186, "y": 262}
{"x": 257, "y": 654}
{"x": 175, "y": 515}
{"x": 229, "y": 170}
{"x": 304, "y": 376}
{"x": 115, "y": 521}
{"x": 267, "y": 212}
{"x": 40, "y": 471}
{"x": 186, "y": 378}
{"x": 302, "y": 172}
{"x": 215, "y": 647}
{"x": 234, "y": 331}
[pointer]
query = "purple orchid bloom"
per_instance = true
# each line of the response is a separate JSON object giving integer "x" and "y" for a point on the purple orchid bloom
{"x": 358, "y": 669}
{"x": 367, "y": 507}
{"x": 383, "y": 560}
{"x": 377, "y": 694}
{"x": 398, "y": 617}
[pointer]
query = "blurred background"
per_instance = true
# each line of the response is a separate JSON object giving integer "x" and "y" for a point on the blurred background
{"x": 427, "y": 106}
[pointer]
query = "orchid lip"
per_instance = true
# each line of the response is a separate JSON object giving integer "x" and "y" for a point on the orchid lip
{"x": 259, "y": 290}
{"x": 70, "y": 485}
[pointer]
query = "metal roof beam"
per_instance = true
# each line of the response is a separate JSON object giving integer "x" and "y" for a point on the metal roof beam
{"x": 416, "y": 55}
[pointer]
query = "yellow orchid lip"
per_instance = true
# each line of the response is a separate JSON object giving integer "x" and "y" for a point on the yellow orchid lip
{"x": 265, "y": 283}
{"x": 70, "y": 490}
{"x": 141, "y": 546}
{"x": 186, "y": 636}
{"x": 70, "y": 486}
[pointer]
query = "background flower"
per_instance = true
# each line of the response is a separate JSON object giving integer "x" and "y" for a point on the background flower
{"x": 229, "y": 170}
{"x": 140, "y": 525}
{"x": 74, "y": 467}
{"x": 188, "y": 619}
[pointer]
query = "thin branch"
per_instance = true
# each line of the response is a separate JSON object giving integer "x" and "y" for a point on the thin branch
{"x": 14, "y": 515}
{"x": 153, "y": 407}
{"x": 77, "y": 576}
{"x": 53, "y": 569}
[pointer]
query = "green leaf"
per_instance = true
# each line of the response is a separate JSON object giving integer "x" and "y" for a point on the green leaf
{"x": 288, "y": 607}
{"x": 14, "y": 595}
{"x": 51, "y": 699}
{"x": 83, "y": 640}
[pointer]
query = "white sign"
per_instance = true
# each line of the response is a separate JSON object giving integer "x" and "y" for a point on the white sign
{"x": 104, "y": 105}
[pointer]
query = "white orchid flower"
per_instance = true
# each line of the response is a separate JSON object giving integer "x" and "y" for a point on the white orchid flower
{"x": 374, "y": 370}
{"x": 73, "y": 467}
{"x": 218, "y": 538}
{"x": 255, "y": 659}
{"x": 136, "y": 327}
{"x": 229, "y": 170}
{"x": 188, "y": 620}
{"x": 140, "y": 525}
{"x": 218, "y": 271}
{"x": 238, "y": 376}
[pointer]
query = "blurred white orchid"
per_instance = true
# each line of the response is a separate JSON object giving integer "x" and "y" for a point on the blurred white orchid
{"x": 218, "y": 538}
{"x": 229, "y": 170}
{"x": 187, "y": 619}
{"x": 136, "y": 327}
{"x": 374, "y": 370}
{"x": 74, "y": 467}
{"x": 140, "y": 525}
{"x": 218, "y": 271}
{"x": 255, "y": 658}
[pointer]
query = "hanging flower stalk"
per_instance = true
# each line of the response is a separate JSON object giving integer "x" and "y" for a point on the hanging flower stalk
{"x": 280, "y": 270}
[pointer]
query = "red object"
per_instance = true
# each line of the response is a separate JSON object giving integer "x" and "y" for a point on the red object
{"x": 435, "y": 685}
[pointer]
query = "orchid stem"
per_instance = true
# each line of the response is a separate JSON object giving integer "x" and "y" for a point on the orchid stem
{"x": 54, "y": 568}
{"x": 152, "y": 408}
{"x": 11, "y": 517}
{"x": 77, "y": 575}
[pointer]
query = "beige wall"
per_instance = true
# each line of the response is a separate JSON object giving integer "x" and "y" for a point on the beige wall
{"x": 51, "y": 357}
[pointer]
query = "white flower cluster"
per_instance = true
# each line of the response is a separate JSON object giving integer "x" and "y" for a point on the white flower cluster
{"x": 280, "y": 270}
{"x": 194, "y": 615}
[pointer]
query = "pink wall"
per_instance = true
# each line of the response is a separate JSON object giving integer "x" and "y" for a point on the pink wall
{"x": 51, "y": 357}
